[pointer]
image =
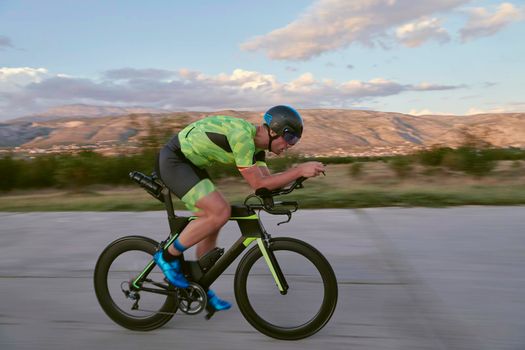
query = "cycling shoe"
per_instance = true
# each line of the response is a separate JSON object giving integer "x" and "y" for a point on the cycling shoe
{"x": 172, "y": 270}
{"x": 217, "y": 303}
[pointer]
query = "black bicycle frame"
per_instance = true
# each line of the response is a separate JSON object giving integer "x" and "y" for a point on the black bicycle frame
{"x": 251, "y": 230}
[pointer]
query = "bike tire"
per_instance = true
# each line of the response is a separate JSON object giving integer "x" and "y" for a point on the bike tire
{"x": 115, "y": 250}
{"x": 329, "y": 289}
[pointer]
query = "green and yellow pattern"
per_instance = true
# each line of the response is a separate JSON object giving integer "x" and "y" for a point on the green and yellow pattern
{"x": 201, "y": 189}
{"x": 202, "y": 152}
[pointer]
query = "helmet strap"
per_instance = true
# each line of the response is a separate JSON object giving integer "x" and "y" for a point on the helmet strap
{"x": 270, "y": 137}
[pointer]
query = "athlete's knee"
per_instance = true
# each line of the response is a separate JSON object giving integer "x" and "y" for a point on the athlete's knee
{"x": 220, "y": 215}
{"x": 224, "y": 214}
{"x": 216, "y": 209}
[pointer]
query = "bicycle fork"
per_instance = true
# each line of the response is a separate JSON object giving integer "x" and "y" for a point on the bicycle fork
{"x": 273, "y": 265}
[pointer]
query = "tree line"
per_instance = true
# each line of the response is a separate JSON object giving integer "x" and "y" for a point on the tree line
{"x": 89, "y": 168}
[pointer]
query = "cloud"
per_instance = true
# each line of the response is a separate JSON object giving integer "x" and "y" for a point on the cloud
{"x": 132, "y": 73}
{"x": 12, "y": 79}
{"x": 513, "y": 107}
{"x": 26, "y": 90}
{"x": 335, "y": 24}
{"x": 417, "y": 33}
{"x": 483, "y": 23}
{"x": 489, "y": 84}
{"x": 475, "y": 110}
{"x": 426, "y": 111}
{"x": 5, "y": 43}
{"x": 435, "y": 87}
{"x": 520, "y": 105}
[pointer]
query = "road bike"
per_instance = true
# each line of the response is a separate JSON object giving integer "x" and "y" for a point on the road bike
{"x": 284, "y": 287}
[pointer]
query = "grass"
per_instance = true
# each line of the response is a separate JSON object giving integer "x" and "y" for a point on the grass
{"x": 122, "y": 199}
{"x": 426, "y": 197}
{"x": 375, "y": 185}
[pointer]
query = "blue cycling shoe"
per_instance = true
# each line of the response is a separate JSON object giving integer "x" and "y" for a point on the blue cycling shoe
{"x": 216, "y": 303}
{"x": 172, "y": 270}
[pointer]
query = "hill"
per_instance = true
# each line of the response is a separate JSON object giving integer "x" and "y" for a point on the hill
{"x": 328, "y": 132}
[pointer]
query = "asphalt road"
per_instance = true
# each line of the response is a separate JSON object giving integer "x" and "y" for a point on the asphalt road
{"x": 408, "y": 279}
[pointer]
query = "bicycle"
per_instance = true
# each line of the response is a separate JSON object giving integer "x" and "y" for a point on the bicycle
{"x": 281, "y": 272}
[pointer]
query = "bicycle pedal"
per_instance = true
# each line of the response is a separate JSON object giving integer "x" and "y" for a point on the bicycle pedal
{"x": 211, "y": 312}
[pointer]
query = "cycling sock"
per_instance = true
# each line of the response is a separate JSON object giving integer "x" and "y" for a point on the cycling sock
{"x": 168, "y": 257}
{"x": 181, "y": 248}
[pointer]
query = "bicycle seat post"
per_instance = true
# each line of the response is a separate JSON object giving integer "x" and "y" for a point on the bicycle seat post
{"x": 168, "y": 204}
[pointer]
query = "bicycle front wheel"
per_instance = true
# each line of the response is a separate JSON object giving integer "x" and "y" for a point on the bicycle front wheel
{"x": 118, "y": 265}
{"x": 309, "y": 302}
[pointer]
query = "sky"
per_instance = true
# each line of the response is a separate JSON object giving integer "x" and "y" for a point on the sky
{"x": 419, "y": 57}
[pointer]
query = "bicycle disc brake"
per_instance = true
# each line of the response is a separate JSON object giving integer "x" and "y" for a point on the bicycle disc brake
{"x": 193, "y": 299}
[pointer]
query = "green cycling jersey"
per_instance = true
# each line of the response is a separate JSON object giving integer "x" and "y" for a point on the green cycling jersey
{"x": 221, "y": 139}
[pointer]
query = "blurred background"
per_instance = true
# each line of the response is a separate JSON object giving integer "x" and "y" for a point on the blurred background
{"x": 416, "y": 108}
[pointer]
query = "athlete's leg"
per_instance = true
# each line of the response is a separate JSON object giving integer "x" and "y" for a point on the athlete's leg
{"x": 214, "y": 213}
{"x": 190, "y": 184}
{"x": 193, "y": 186}
{"x": 207, "y": 244}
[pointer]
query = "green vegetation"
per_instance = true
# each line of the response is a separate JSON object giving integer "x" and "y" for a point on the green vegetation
{"x": 402, "y": 166}
{"x": 436, "y": 177}
{"x": 356, "y": 169}
{"x": 479, "y": 162}
{"x": 70, "y": 171}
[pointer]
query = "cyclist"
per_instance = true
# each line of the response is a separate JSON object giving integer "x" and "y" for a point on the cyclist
{"x": 182, "y": 167}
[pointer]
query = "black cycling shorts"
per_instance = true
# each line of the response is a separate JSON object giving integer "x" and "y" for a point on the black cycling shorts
{"x": 187, "y": 181}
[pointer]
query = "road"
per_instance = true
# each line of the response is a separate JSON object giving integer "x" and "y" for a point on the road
{"x": 409, "y": 278}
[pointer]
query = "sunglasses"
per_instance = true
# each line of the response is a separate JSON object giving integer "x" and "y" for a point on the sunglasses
{"x": 290, "y": 137}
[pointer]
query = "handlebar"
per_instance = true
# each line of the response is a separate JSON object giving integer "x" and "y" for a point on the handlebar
{"x": 266, "y": 193}
{"x": 270, "y": 206}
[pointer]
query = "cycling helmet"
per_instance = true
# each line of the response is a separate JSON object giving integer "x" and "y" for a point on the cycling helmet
{"x": 284, "y": 121}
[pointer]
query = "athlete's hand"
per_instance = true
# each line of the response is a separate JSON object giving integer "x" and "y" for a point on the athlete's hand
{"x": 311, "y": 169}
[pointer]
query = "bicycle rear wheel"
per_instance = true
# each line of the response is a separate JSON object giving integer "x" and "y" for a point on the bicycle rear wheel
{"x": 118, "y": 265}
{"x": 311, "y": 298}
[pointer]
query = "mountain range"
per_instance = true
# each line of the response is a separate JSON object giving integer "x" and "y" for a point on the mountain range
{"x": 85, "y": 111}
{"x": 328, "y": 132}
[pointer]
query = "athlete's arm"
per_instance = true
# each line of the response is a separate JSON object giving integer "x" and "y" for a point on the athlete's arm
{"x": 257, "y": 178}
{"x": 265, "y": 171}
